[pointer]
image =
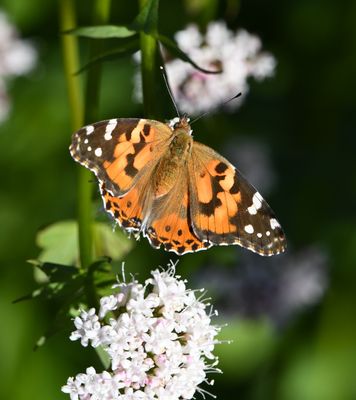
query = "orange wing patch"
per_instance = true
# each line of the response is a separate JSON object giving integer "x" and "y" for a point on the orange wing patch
{"x": 216, "y": 201}
{"x": 127, "y": 210}
{"x": 119, "y": 151}
{"x": 124, "y": 211}
{"x": 171, "y": 227}
{"x": 226, "y": 209}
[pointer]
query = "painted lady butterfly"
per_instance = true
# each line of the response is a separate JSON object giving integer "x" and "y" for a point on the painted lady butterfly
{"x": 155, "y": 180}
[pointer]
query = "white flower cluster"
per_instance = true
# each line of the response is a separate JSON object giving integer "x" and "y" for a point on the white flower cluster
{"x": 17, "y": 57}
{"x": 159, "y": 339}
{"x": 237, "y": 55}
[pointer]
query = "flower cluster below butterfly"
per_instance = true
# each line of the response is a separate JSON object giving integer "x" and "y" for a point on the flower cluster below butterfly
{"x": 157, "y": 181}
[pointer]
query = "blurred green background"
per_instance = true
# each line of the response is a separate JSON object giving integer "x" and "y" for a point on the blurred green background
{"x": 305, "y": 116}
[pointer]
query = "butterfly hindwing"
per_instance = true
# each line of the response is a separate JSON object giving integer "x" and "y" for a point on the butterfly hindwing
{"x": 130, "y": 209}
{"x": 169, "y": 222}
{"x": 226, "y": 209}
{"x": 119, "y": 150}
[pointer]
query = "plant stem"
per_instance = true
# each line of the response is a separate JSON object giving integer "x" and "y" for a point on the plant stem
{"x": 71, "y": 62}
{"x": 71, "y": 65}
{"x": 148, "y": 46}
{"x": 101, "y": 14}
{"x": 92, "y": 90}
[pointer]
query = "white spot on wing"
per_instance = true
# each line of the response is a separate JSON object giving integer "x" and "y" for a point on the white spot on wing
{"x": 86, "y": 141}
{"x": 252, "y": 210}
{"x": 257, "y": 200}
{"x": 259, "y": 235}
{"x": 256, "y": 204}
{"x": 249, "y": 228}
{"x": 89, "y": 148}
{"x": 109, "y": 129}
{"x": 274, "y": 223}
{"x": 89, "y": 129}
{"x": 268, "y": 233}
{"x": 98, "y": 152}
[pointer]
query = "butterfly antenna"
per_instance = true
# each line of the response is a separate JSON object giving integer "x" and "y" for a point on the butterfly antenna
{"x": 164, "y": 74}
{"x": 209, "y": 111}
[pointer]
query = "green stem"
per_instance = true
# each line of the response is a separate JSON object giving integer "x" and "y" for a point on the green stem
{"x": 92, "y": 91}
{"x": 71, "y": 62}
{"x": 101, "y": 12}
{"x": 92, "y": 94}
{"x": 148, "y": 46}
{"x": 71, "y": 65}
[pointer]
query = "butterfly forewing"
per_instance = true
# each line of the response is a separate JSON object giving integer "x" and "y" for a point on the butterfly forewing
{"x": 226, "y": 209}
{"x": 119, "y": 150}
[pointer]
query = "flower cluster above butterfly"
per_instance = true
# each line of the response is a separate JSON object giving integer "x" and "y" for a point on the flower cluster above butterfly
{"x": 155, "y": 180}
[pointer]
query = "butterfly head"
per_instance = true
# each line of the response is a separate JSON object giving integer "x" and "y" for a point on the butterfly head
{"x": 180, "y": 124}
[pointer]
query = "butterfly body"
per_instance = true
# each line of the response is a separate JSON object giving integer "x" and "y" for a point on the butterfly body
{"x": 173, "y": 162}
{"x": 180, "y": 194}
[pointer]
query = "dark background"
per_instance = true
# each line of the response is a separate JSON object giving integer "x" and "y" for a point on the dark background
{"x": 305, "y": 116}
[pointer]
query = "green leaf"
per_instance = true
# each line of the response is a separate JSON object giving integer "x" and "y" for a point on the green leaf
{"x": 102, "y": 32}
{"x": 55, "y": 272}
{"x": 172, "y": 47}
{"x": 113, "y": 244}
{"x": 59, "y": 243}
{"x": 62, "y": 291}
{"x": 36, "y": 293}
{"x": 124, "y": 50}
{"x": 146, "y": 20}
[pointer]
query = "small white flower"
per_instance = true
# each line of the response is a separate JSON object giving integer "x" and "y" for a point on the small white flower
{"x": 88, "y": 327}
{"x": 17, "y": 57}
{"x": 160, "y": 344}
{"x": 190, "y": 38}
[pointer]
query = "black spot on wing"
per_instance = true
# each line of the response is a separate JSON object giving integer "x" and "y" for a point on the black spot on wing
{"x": 168, "y": 246}
{"x": 181, "y": 249}
{"x": 130, "y": 169}
{"x": 146, "y": 130}
{"x": 235, "y": 188}
{"x": 221, "y": 168}
{"x": 208, "y": 208}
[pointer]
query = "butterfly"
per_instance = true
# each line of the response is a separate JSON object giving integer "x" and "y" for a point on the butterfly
{"x": 155, "y": 180}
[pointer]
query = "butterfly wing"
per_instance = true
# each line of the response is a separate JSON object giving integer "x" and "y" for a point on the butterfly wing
{"x": 130, "y": 209}
{"x": 120, "y": 151}
{"x": 226, "y": 209}
{"x": 169, "y": 222}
